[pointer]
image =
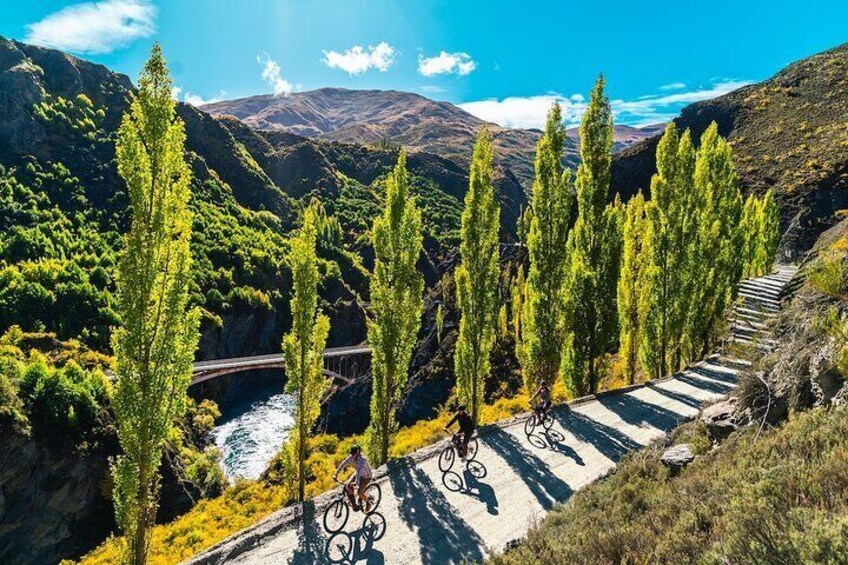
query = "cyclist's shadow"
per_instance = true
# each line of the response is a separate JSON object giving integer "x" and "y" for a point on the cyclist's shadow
{"x": 470, "y": 484}
{"x": 553, "y": 440}
{"x": 358, "y": 546}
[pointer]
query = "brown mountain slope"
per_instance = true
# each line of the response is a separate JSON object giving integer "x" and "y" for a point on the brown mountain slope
{"x": 368, "y": 117}
{"x": 789, "y": 133}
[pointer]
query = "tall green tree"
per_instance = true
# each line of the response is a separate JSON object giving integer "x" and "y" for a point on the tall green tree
{"x": 477, "y": 278}
{"x": 155, "y": 343}
{"x": 632, "y": 284}
{"x": 760, "y": 225}
{"x": 715, "y": 260}
{"x": 303, "y": 346}
{"x": 672, "y": 220}
{"x": 770, "y": 231}
{"x": 542, "y": 337}
{"x": 396, "y": 301}
{"x": 593, "y": 253}
{"x": 750, "y": 224}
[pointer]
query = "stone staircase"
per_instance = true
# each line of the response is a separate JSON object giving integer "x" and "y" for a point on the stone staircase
{"x": 758, "y": 301}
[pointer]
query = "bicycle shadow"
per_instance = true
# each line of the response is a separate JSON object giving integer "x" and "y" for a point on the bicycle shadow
{"x": 443, "y": 536}
{"x": 470, "y": 484}
{"x": 357, "y": 546}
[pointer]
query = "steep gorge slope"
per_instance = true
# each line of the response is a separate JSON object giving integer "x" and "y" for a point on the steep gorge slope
{"x": 789, "y": 133}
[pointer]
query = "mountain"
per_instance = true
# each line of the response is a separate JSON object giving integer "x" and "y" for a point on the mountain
{"x": 389, "y": 117}
{"x": 789, "y": 133}
{"x": 63, "y": 209}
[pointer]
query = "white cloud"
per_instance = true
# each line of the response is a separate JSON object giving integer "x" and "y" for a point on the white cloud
{"x": 358, "y": 59}
{"x": 194, "y": 99}
{"x": 271, "y": 75}
{"x": 531, "y": 111}
{"x": 446, "y": 63}
{"x": 95, "y": 27}
{"x": 673, "y": 86}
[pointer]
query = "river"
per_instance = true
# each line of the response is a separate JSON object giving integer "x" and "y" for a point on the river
{"x": 251, "y": 430}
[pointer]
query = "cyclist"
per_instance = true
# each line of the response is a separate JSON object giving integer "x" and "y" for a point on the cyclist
{"x": 359, "y": 479}
{"x": 544, "y": 394}
{"x": 466, "y": 428}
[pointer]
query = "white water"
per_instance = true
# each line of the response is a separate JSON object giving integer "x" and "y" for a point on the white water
{"x": 252, "y": 431}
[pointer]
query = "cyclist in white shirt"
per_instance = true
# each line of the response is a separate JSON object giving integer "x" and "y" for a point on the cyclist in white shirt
{"x": 359, "y": 479}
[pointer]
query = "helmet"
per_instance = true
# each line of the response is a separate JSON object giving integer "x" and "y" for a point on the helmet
{"x": 355, "y": 449}
{"x": 460, "y": 408}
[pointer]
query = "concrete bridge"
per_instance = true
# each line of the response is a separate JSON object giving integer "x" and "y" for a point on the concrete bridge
{"x": 342, "y": 364}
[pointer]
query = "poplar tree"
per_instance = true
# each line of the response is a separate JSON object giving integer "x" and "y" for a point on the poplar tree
{"x": 155, "y": 343}
{"x": 750, "y": 225}
{"x": 770, "y": 231}
{"x": 715, "y": 261}
{"x": 632, "y": 284}
{"x": 542, "y": 338}
{"x": 593, "y": 249}
{"x": 477, "y": 278}
{"x": 303, "y": 346}
{"x": 672, "y": 218}
{"x": 396, "y": 301}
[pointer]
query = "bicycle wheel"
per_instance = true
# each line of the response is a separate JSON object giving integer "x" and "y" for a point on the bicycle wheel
{"x": 335, "y": 516}
{"x": 339, "y": 547}
{"x": 530, "y": 424}
{"x": 446, "y": 459}
{"x": 374, "y": 495}
{"x": 471, "y": 450}
{"x": 548, "y": 422}
{"x": 374, "y": 527}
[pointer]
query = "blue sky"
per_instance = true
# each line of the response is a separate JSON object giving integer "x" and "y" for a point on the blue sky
{"x": 504, "y": 61}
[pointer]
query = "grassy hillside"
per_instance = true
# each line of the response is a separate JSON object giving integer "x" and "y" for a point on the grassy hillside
{"x": 789, "y": 133}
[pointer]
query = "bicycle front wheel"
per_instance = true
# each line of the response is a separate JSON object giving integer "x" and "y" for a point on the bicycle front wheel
{"x": 335, "y": 516}
{"x": 548, "y": 422}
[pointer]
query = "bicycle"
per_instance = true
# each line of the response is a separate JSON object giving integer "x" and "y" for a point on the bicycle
{"x": 337, "y": 513}
{"x": 530, "y": 423}
{"x": 450, "y": 453}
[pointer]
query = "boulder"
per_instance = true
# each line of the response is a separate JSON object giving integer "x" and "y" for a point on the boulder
{"x": 720, "y": 419}
{"x": 677, "y": 457}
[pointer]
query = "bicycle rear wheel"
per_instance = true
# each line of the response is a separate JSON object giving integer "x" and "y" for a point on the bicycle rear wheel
{"x": 471, "y": 450}
{"x": 446, "y": 459}
{"x": 335, "y": 516}
{"x": 530, "y": 424}
{"x": 374, "y": 495}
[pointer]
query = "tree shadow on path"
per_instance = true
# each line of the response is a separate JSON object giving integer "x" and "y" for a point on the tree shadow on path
{"x": 612, "y": 443}
{"x": 545, "y": 486}
{"x": 678, "y": 396}
{"x": 310, "y": 539}
{"x": 707, "y": 385}
{"x": 443, "y": 536}
{"x": 715, "y": 375}
{"x": 636, "y": 411}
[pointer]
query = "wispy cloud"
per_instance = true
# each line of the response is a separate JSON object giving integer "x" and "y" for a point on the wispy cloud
{"x": 271, "y": 75}
{"x": 194, "y": 99}
{"x": 358, "y": 59}
{"x": 446, "y": 63}
{"x": 530, "y": 111}
{"x": 432, "y": 89}
{"x": 95, "y": 27}
{"x": 673, "y": 86}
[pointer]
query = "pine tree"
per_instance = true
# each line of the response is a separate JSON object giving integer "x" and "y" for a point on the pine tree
{"x": 632, "y": 284}
{"x": 540, "y": 349}
{"x": 396, "y": 301}
{"x": 303, "y": 346}
{"x": 477, "y": 278}
{"x": 715, "y": 261}
{"x": 593, "y": 248}
{"x": 155, "y": 344}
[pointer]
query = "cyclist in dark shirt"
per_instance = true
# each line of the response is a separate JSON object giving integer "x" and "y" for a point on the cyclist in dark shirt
{"x": 466, "y": 428}
{"x": 544, "y": 395}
